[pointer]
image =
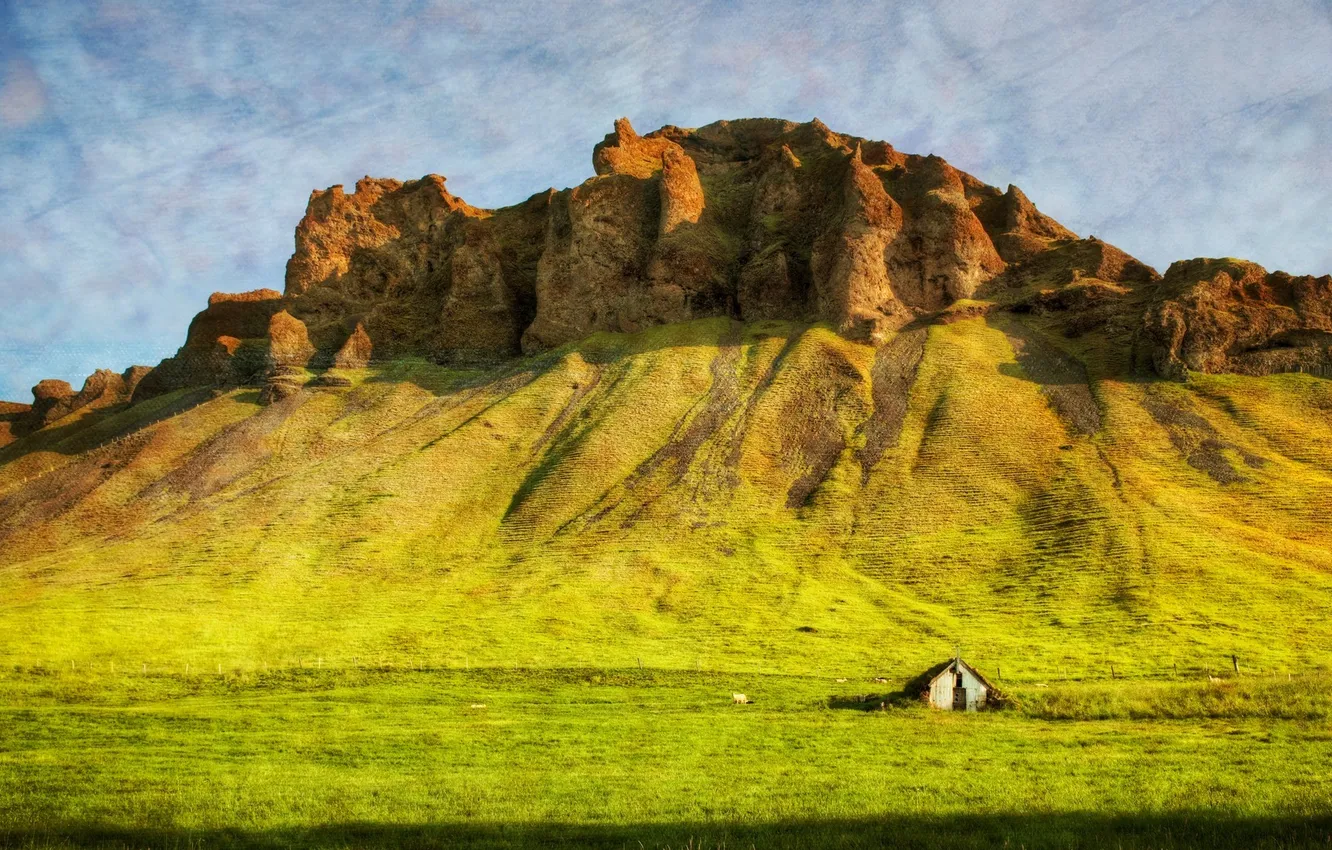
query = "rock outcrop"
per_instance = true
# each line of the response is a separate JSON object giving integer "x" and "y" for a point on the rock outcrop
{"x": 226, "y": 345}
{"x": 288, "y": 343}
{"x": 53, "y": 400}
{"x": 12, "y": 417}
{"x": 755, "y": 219}
{"x": 356, "y": 352}
{"x": 1226, "y": 315}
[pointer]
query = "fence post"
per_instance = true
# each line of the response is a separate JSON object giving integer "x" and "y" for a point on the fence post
{"x": 1234, "y": 660}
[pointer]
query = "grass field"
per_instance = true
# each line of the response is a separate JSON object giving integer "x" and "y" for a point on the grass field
{"x": 233, "y": 625}
{"x": 630, "y": 758}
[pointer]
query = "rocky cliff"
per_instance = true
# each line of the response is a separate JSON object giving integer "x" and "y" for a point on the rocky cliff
{"x": 753, "y": 219}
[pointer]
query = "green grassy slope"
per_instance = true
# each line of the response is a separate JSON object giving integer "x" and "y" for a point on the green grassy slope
{"x": 766, "y": 498}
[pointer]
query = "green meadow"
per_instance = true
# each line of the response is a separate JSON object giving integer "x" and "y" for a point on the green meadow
{"x": 647, "y": 758}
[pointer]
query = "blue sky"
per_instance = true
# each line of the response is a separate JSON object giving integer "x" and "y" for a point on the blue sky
{"x": 150, "y": 156}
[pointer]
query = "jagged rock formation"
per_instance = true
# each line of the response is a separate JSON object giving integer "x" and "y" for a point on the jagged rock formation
{"x": 53, "y": 400}
{"x": 756, "y": 219}
{"x": 1233, "y": 316}
{"x": 753, "y": 219}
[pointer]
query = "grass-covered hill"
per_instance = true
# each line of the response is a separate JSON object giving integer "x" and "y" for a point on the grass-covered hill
{"x": 756, "y": 397}
{"x": 716, "y": 495}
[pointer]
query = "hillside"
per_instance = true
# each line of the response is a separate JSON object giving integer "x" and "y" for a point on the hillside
{"x": 844, "y": 409}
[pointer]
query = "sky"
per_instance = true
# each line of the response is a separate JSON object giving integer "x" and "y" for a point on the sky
{"x": 151, "y": 154}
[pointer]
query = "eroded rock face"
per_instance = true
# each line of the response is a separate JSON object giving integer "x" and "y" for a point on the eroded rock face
{"x": 12, "y": 418}
{"x": 626, "y": 152}
{"x": 335, "y": 241}
{"x": 1234, "y": 316}
{"x": 680, "y": 190}
{"x": 757, "y": 218}
{"x": 852, "y": 287}
{"x": 753, "y": 219}
{"x": 1024, "y": 231}
{"x": 591, "y": 273}
{"x": 479, "y": 315}
{"x": 51, "y": 399}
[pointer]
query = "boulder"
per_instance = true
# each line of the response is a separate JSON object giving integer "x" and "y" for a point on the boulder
{"x": 288, "y": 342}
{"x": 356, "y": 351}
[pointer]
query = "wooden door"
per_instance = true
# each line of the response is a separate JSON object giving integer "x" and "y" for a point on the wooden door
{"x": 959, "y": 699}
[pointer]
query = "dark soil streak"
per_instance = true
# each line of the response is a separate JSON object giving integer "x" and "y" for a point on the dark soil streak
{"x": 562, "y": 442}
{"x": 1063, "y": 380}
{"x": 1199, "y": 443}
{"x": 760, "y": 390}
{"x": 818, "y": 438}
{"x": 580, "y": 391}
{"x": 54, "y": 493}
{"x": 717, "y": 406}
{"x": 892, "y": 375}
{"x": 228, "y": 456}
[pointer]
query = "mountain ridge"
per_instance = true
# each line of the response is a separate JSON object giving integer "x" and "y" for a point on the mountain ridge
{"x": 752, "y": 219}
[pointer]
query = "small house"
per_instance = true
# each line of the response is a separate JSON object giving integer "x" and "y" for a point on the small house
{"x": 957, "y": 686}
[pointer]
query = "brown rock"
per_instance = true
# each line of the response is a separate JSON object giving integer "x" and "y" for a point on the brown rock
{"x": 1231, "y": 315}
{"x": 756, "y": 218}
{"x": 338, "y": 226}
{"x": 13, "y": 417}
{"x": 626, "y": 152}
{"x": 356, "y": 351}
{"x": 943, "y": 252}
{"x": 280, "y": 386}
{"x": 850, "y": 274}
{"x": 681, "y": 191}
{"x": 1026, "y": 231}
{"x": 243, "y": 315}
{"x": 776, "y": 198}
{"x": 132, "y": 376}
{"x": 53, "y": 399}
{"x": 590, "y": 276}
{"x": 479, "y": 315}
{"x": 288, "y": 342}
{"x": 766, "y": 289}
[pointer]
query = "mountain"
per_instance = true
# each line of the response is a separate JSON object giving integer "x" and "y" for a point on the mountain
{"x": 756, "y": 394}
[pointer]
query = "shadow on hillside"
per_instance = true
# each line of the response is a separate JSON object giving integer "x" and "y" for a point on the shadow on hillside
{"x": 1169, "y": 830}
{"x": 96, "y": 428}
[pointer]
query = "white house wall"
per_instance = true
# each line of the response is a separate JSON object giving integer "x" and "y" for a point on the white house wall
{"x": 941, "y": 689}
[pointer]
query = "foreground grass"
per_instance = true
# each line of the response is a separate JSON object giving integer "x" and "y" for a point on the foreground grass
{"x": 657, "y": 759}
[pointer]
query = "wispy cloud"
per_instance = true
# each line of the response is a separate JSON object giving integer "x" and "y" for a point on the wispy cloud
{"x": 153, "y": 153}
